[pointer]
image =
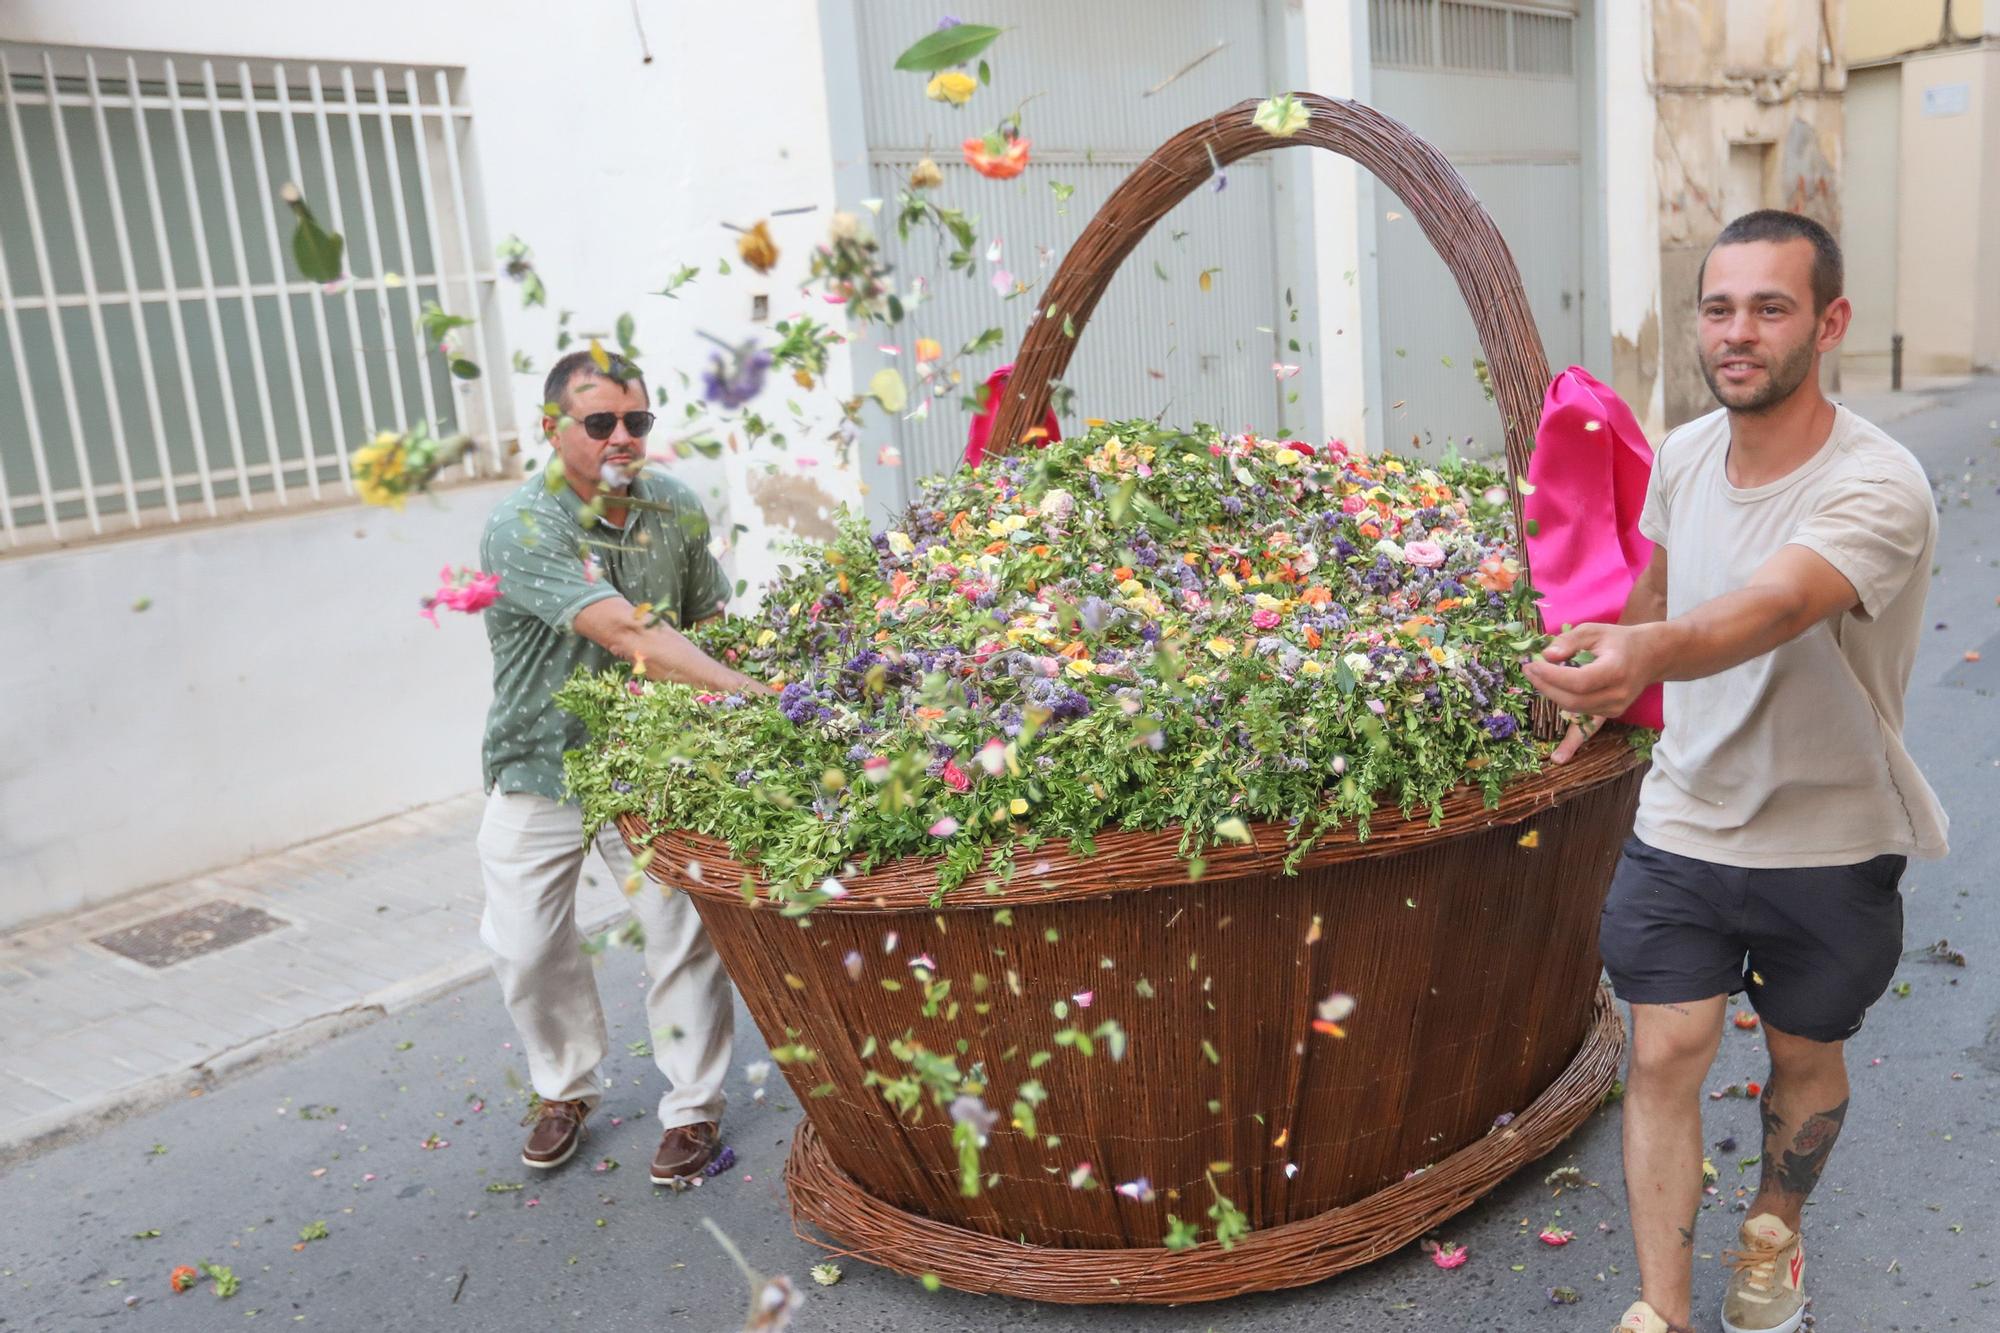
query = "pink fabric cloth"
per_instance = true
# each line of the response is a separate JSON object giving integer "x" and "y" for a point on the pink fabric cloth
{"x": 1589, "y": 474}
{"x": 982, "y": 425}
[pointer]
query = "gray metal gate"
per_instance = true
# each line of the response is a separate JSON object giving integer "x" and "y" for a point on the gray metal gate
{"x": 1496, "y": 87}
{"x": 1158, "y": 344}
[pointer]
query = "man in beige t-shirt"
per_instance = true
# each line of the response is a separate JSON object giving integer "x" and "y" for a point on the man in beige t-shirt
{"x": 1782, "y": 805}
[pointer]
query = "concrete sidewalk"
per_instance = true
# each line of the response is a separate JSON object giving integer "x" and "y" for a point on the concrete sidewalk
{"x": 354, "y": 927}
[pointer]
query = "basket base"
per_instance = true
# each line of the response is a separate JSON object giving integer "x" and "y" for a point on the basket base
{"x": 1292, "y": 1255}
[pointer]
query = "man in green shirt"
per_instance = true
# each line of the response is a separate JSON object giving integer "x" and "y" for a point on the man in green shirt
{"x": 589, "y": 578}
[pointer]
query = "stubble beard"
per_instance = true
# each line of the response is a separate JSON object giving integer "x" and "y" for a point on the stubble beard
{"x": 1782, "y": 379}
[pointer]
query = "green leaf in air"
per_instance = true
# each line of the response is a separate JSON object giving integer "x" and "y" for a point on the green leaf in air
{"x": 947, "y": 47}
{"x": 465, "y": 370}
{"x": 316, "y": 250}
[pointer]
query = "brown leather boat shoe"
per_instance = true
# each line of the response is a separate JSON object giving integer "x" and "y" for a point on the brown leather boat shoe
{"x": 558, "y": 1128}
{"x": 684, "y": 1151}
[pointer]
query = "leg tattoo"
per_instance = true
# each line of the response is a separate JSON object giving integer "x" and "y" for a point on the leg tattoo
{"x": 1794, "y": 1162}
{"x": 1805, "y": 1159}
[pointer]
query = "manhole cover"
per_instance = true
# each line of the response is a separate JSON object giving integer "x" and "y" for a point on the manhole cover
{"x": 189, "y": 933}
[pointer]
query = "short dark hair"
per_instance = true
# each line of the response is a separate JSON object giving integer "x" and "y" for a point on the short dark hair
{"x": 1776, "y": 225}
{"x": 568, "y": 367}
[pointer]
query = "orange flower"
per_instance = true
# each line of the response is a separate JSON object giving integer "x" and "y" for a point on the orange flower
{"x": 1005, "y": 162}
{"x": 1312, "y": 637}
{"x": 1317, "y": 595}
{"x": 1039, "y": 549}
{"x": 995, "y": 548}
{"x": 1493, "y": 575}
{"x": 182, "y": 1278}
{"x": 1120, "y": 574}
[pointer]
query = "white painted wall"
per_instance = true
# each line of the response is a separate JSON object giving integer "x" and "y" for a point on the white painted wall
{"x": 1631, "y": 204}
{"x": 281, "y": 685}
{"x": 1335, "y": 43}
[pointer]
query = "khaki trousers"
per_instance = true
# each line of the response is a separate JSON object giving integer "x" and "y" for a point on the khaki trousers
{"x": 531, "y": 854}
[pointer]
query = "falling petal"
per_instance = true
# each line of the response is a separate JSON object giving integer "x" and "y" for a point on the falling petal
{"x": 945, "y": 827}
{"x": 853, "y": 964}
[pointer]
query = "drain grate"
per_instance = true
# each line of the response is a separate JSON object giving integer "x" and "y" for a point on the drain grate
{"x": 189, "y": 933}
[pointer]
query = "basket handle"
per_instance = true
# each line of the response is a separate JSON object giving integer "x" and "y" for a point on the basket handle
{"x": 1439, "y": 199}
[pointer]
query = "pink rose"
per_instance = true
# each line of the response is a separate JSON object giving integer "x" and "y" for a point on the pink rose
{"x": 1353, "y": 504}
{"x": 1264, "y": 619}
{"x": 954, "y": 777}
{"x": 1426, "y": 553}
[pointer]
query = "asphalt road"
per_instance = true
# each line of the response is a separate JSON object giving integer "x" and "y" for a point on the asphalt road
{"x": 457, "y": 1235}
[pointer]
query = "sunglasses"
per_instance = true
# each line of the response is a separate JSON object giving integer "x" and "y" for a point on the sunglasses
{"x": 599, "y": 425}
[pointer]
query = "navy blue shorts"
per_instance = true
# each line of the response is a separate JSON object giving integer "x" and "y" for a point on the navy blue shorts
{"x": 1813, "y": 946}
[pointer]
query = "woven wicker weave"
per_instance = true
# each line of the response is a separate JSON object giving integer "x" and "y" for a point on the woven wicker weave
{"x": 1471, "y": 945}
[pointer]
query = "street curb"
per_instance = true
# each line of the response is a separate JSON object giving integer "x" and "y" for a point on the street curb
{"x": 30, "y": 1138}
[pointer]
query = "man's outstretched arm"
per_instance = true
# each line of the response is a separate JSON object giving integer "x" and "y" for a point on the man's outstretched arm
{"x": 1790, "y": 593}
{"x": 659, "y": 650}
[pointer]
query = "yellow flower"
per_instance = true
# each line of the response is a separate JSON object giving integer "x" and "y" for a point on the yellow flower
{"x": 925, "y": 175}
{"x": 1221, "y": 647}
{"x": 1289, "y": 457}
{"x": 756, "y": 248}
{"x": 1265, "y": 602}
{"x": 767, "y": 638}
{"x": 379, "y": 472}
{"x": 1018, "y": 806}
{"x": 953, "y": 86}
{"x": 1196, "y": 681}
{"x": 1311, "y": 668}
{"x": 900, "y": 542}
{"x": 1082, "y": 667}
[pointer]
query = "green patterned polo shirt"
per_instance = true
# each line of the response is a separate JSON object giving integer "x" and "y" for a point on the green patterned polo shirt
{"x": 551, "y": 567}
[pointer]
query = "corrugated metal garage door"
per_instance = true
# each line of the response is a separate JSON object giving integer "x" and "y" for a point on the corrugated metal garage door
{"x": 1496, "y": 86}
{"x": 1158, "y": 345}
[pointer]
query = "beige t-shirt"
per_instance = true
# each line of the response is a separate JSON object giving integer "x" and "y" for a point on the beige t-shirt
{"x": 1795, "y": 758}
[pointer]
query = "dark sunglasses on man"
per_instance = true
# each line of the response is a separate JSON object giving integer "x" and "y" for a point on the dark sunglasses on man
{"x": 599, "y": 425}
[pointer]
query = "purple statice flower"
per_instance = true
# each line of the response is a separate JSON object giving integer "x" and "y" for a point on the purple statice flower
{"x": 798, "y": 704}
{"x": 621, "y": 786}
{"x": 1499, "y": 725}
{"x": 1150, "y": 633}
{"x": 1232, "y": 506}
{"x": 733, "y": 380}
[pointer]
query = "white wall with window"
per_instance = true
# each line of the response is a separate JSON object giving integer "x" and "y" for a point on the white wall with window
{"x": 177, "y": 403}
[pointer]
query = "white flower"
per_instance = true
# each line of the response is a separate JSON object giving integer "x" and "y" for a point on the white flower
{"x": 845, "y": 227}
{"x": 1056, "y": 505}
{"x": 1390, "y": 549}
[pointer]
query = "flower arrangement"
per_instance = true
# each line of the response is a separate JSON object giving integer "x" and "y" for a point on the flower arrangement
{"x": 1135, "y": 627}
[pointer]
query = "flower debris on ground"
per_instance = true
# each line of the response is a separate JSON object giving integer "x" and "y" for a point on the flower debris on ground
{"x": 1136, "y": 627}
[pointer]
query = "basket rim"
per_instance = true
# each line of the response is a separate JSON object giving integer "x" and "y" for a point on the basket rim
{"x": 1121, "y": 858}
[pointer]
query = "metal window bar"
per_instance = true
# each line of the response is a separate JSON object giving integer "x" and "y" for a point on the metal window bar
{"x": 131, "y": 299}
{"x": 44, "y": 277}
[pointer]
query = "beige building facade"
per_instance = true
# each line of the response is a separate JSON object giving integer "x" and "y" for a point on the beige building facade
{"x": 1923, "y": 140}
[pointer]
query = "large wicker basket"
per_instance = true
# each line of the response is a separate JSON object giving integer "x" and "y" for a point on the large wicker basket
{"x": 1481, "y": 1038}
